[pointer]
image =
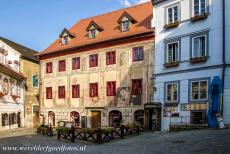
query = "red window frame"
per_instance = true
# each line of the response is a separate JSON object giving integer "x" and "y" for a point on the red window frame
{"x": 61, "y": 65}
{"x": 111, "y": 88}
{"x": 49, "y": 67}
{"x": 93, "y": 89}
{"x": 48, "y": 92}
{"x": 110, "y": 57}
{"x": 135, "y": 58}
{"x": 136, "y": 86}
{"x": 76, "y": 91}
{"x": 76, "y": 63}
{"x": 61, "y": 91}
{"x": 93, "y": 60}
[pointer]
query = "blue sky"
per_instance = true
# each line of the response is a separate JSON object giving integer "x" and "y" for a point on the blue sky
{"x": 37, "y": 23}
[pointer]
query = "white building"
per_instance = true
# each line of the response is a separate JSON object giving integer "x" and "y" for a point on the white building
{"x": 11, "y": 88}
{"x": 226, "y": 106}
{"x": 188, "y": 54}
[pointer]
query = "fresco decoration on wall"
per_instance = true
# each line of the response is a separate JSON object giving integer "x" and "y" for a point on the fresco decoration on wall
{"x": 5, "y": 86}
{"x": 84, "y": 64}
{"x": 123, "y": 97}
{"x": 123, "y": 59}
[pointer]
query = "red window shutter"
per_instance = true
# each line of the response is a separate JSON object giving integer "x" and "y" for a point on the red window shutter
{"x": 49, "y": 93}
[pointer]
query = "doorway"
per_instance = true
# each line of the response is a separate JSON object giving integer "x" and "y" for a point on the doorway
{"x": 96, "y": 119}
{"x": 19, "y": 119}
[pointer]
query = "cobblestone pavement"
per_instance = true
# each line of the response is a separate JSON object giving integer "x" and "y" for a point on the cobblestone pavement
{"x": 196, "y": 141}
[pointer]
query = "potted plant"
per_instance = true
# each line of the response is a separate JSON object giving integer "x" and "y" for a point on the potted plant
{"x": 198, "y": 59}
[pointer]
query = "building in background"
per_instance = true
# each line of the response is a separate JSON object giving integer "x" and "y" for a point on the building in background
{"x": 12, "y": 83}
{"x": 22, "y": 59}
{"x": 226, "y": 58}
{"x": 97, "y": 73}
{"x": 188, "y": 55}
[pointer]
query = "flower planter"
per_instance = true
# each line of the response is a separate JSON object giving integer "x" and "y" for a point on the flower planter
{"x": 2, "y": 94}
{"x": 172, "y": 64}
{"x": 172, "y": 25}
{"x": 199, "y": 17}
{"x": 15, "y": 97}
{"x": 198, "y": 59}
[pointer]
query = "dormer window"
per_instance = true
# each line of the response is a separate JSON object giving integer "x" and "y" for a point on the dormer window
{"x": 93, "y": 29}
{"x": 65, "y": 40}
{"x": 126, "y": 22}
{"x": 66, "y": 36}
{"x": 125, "y": 25}
{"x": 92, "y": 33}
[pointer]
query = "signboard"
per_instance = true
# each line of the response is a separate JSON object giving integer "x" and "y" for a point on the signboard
{"x": 193, "y": 106}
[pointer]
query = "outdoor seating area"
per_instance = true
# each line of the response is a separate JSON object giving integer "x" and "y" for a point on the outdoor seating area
{"x": 67, "y": 131}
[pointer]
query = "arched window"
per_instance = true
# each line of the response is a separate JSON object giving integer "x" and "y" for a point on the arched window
{"x": 139, "y": 116}
{"x": 115, "y": 118}
{"x": 5, "y": 119}
{"x": 51, "y": 118}
{"x": 75, "y": 117}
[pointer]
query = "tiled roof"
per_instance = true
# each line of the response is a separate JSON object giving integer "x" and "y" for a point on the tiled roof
{"x": 26, "y": 52}
{"x": 111, "y": 29}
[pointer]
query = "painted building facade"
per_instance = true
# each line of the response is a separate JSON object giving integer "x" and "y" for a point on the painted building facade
{"x": 11, "y": 88}
{"x": 188, "y": 54}
{"x": 97, "y": 73}
{"x": 29, "y": 66}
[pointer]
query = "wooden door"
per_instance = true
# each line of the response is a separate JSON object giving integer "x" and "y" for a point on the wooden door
{"x": 96, "y": 119}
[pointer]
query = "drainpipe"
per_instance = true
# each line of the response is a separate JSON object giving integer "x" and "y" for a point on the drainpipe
{"x": 223, "y": 56}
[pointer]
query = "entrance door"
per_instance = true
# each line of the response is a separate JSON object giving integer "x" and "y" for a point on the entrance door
{"x": 19, "y": 119}
{"x": 96, "y": 119}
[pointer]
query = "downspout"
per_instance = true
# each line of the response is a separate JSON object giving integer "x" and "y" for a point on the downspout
{"x": 223, "y": 57}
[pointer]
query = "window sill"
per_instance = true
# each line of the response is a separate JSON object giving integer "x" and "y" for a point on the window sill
{"x": 198, "y": 59}
{"x": 172, "y": 64}
{"x": 199, "y": 17}
{"x": 171, "y": 104}
{"x": 172, "y": 25}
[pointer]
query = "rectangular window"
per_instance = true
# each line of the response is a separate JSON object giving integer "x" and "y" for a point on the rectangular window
{"x": 61, "y": 65}
{"x": 111, "y": 58}
{"x": 138, "y": 54}
{"x": 172, "y": 52}
{"x": 61, "y": 91}
{"x": 199, "y": 90}
{"x": 48, "y": 92}
{"x": 111, "y": 88}
{"x": 93, "y": 88}
{"x": 76, "y": 63}
{"x": 199, "y": 7}
{"x": 35, "y": 81}
{"x": 172, "y": 14}
{"x": 136, "y": 86}
{"x": 125, "y": 25}
{"x": 172, "y": 92}
{"x": 76, "y": 91}
{"x": 65, "y": 40}
{"x": 49, "y": 67}
{"x": 199, "y": 47}
{"x": 93, "y": 60}
{"x": 92, "y": 33}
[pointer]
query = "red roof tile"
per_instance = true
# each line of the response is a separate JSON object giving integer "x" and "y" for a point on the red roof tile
{"x": 111, "y": 30}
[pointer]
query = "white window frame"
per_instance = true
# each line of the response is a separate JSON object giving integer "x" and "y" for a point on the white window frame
{"x": 199, "y": 81}
{"x": 173, "y": 16}
{"x": 65, "y": 40}
{"x": 167, "y": 51}
{"x": 91, "y": 34}
{"x": 166, "y": 89}
{"x": 193, "y": 10}
{"x": 123, "y": 28}
{"x": 206, "y": 53}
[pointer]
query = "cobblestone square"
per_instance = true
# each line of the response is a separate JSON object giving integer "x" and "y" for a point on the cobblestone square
{"x": 195, "y": 141}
